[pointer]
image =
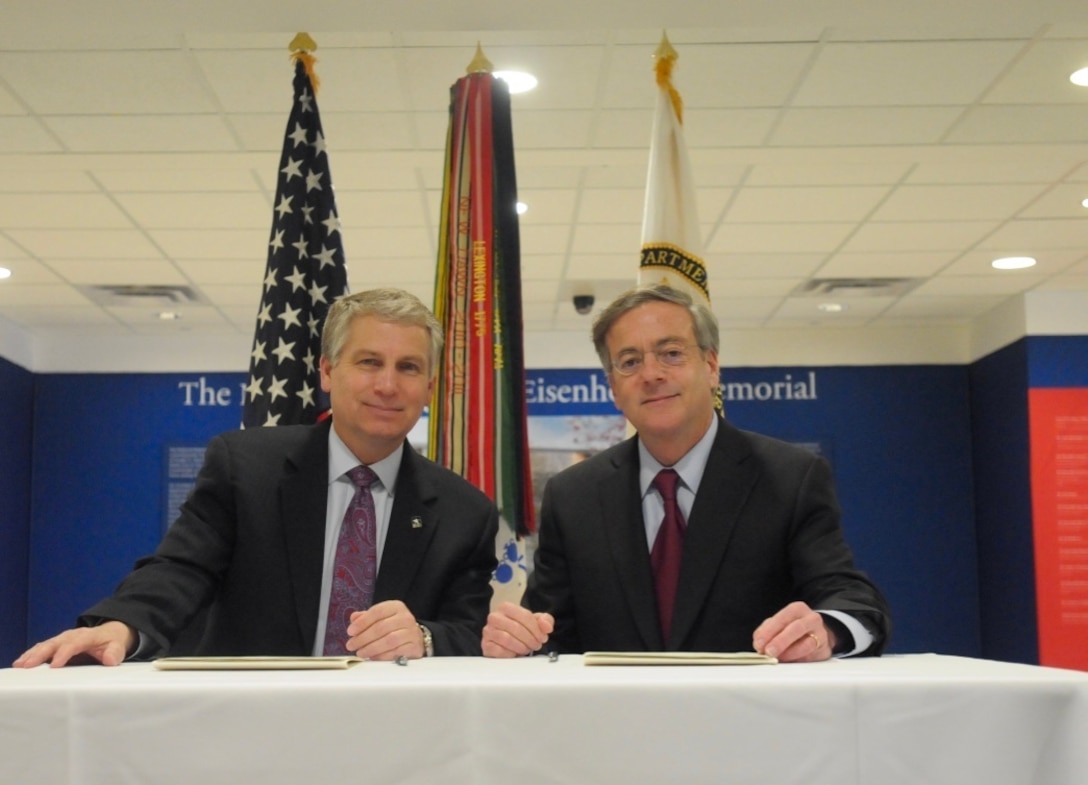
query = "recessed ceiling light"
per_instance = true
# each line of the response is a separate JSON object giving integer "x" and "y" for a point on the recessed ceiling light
{"x": 522, "y": 208}
{"x": 518, "y": 81}
{"x": 168, "y": 316}
{"x": 1079, "y": 77}
{"x": 1013, "y": 263}
{"x": 1084, "y": 203}
{"x": 832, "y": 307}
{"x": 4, "y": 273}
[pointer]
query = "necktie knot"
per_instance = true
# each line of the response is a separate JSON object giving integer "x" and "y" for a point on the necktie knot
{"x": 666, "y": 482}
{"x": 363, "y": 477}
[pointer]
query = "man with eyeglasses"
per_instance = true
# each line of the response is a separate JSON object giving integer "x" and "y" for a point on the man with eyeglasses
{"x": 692, "y": 535}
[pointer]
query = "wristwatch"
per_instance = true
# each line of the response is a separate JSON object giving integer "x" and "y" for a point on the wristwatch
{"x": 428, "y": 641}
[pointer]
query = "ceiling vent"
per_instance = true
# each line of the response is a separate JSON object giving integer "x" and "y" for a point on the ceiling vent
{"x": 856, "y": 287}
{"x": 142, "y": 296}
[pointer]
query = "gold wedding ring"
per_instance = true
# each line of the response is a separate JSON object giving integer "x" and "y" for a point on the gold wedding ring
{"x": 817, "y": 640}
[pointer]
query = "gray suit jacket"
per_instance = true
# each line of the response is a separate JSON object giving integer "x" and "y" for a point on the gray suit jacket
{"x": 248, "y": 545}
{"x": 764, "y": 531}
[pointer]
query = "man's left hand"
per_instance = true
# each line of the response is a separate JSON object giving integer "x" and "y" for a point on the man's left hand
{"x": 384, "y": 632}
{"x": 795, "y": 634}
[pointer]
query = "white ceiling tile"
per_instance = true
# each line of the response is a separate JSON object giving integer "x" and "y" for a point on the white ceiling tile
{"x": 227, "y": 296}
{"x": 710, "y": 75}
{"x": 1048, "y": 262}
{"x": 722, "y": 267}
{"x": 60, "y": 211}
{"x": 919, "y": 73}
{"x": 917, "y": 236}
{"x": 116, "y": 273}
{"x": 119, "y": 82}
{"x": 80, "y": 317}
{"x": 547, "y": 205}
{"x": 541, "y": 267}
{"x": 545, "y": 239}
{"x": 142, "y": 133}
{"x": 1041, "y": 75}
{"x": 552, "y": 129}
{"x": 778, "y": 238}
{"x": 219, "y": 272}
{"x": 920, "y": 305}
{"x": 1062, "y": 201}
{"x": 864, "y": 126}
{"x": 992, "y": 171}
{"x": 262, "y": 133}
{"x": 185, "y": 210}
{"x": 725, "y": 127}
{"x": 370, "y": 131}
{"x": 379, "y": 208}
{"x": 37, "y": 181}
{"x": 919, "y": 264}
{"x": 141, "y": 180}
{"x": 1021, "y": 125}
{"x": 41, "y": 294}
{"x": 531, "y": 177}
{"x": 9, "y": 249}
{"x": 748, "y": 307}
{"x": 1028, "y": 235}
{"x": 608, "y": 238}
{"x": 607, "y": 266}
{"x": 28, "y": 272}
{"x": 86, "y": 244}
{"x": 385, "y": 243}
{"x": 623, "y": 129}
{"x": 601, "y": 205}
{"x": 804, "y": 205}
{"x": 825, "y": 174}
{"x": 711, "y": 205}
{"x": 1064, "y": 283}
{"x": 26, "y": 135}
{"x": 539, "y": 291}
{"x": 955, "y": 202}
{"x": 628, "y": 176}
{"x": 217, "y": 244}
{"x": 974, "y": 285}
{"x": 8, "y": 103}
{"x": 253, "y": 80}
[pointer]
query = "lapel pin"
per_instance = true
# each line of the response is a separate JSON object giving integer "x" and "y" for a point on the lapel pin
{"x": 417, "y": 522}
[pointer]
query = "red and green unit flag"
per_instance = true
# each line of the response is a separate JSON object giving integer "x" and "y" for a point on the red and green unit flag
{"x": 477, "y": 420}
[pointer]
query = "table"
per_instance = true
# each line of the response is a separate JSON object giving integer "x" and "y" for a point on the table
{"x": 908, "y": 719}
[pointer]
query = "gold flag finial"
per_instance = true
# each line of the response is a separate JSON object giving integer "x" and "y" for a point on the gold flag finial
{"x": 664, "y": 59}
{"x": 479, "y": 63}
{"x": 302, "y": 43}
{"x": 664, "y": 49}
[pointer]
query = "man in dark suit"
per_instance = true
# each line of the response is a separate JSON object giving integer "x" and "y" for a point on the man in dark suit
{"x": 258, "y": 540}
{"x": 760, "y": 559}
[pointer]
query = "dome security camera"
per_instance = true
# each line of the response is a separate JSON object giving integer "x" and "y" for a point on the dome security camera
{"x": 583, "y": 303}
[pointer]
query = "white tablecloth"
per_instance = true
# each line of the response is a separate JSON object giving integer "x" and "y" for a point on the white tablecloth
{"x": 899, "y": 720}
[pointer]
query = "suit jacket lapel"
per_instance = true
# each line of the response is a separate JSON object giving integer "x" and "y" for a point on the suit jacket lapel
{"x": 723, "y": 490}
{"x": 303, "y": 501}
{"x": 621, "y": 511}
{"x": 412, "y": 525}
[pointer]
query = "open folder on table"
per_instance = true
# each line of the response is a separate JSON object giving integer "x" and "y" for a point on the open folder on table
{"x": 676, "y": 658}
{"x": 255, "y": 663}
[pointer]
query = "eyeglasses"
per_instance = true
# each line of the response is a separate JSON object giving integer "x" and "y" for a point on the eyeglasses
{"x": 671, "y": 355}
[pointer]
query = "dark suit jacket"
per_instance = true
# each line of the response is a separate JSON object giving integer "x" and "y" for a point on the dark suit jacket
{"x": 764, "y": 531}
{"x": 249, "y": 545}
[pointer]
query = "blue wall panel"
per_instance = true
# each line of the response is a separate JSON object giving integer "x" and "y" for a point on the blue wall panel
{"x": 16, "y": 402}
{"x": 100, "y": 443}
{"x": 1000, "y": 432}
{"x": 899, "y": 441}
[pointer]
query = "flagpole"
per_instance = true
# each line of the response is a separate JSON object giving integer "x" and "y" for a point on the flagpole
{"x": 305, "y": 271}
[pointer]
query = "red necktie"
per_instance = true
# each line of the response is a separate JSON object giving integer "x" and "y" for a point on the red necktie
{"x": 667, "y": 550}
{"x": 356, "y": 563}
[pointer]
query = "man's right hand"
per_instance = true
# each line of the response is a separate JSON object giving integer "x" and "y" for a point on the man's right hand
{"x": 514, "y": 631}
{"x": 108, "y": 643}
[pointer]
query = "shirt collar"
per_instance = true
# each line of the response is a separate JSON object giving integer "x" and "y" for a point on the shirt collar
{"x": 690, "y": 467}
{"x": 342, "y": 460}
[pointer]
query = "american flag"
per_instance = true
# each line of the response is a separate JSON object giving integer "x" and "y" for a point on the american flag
{"x": 304, "y": 275}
